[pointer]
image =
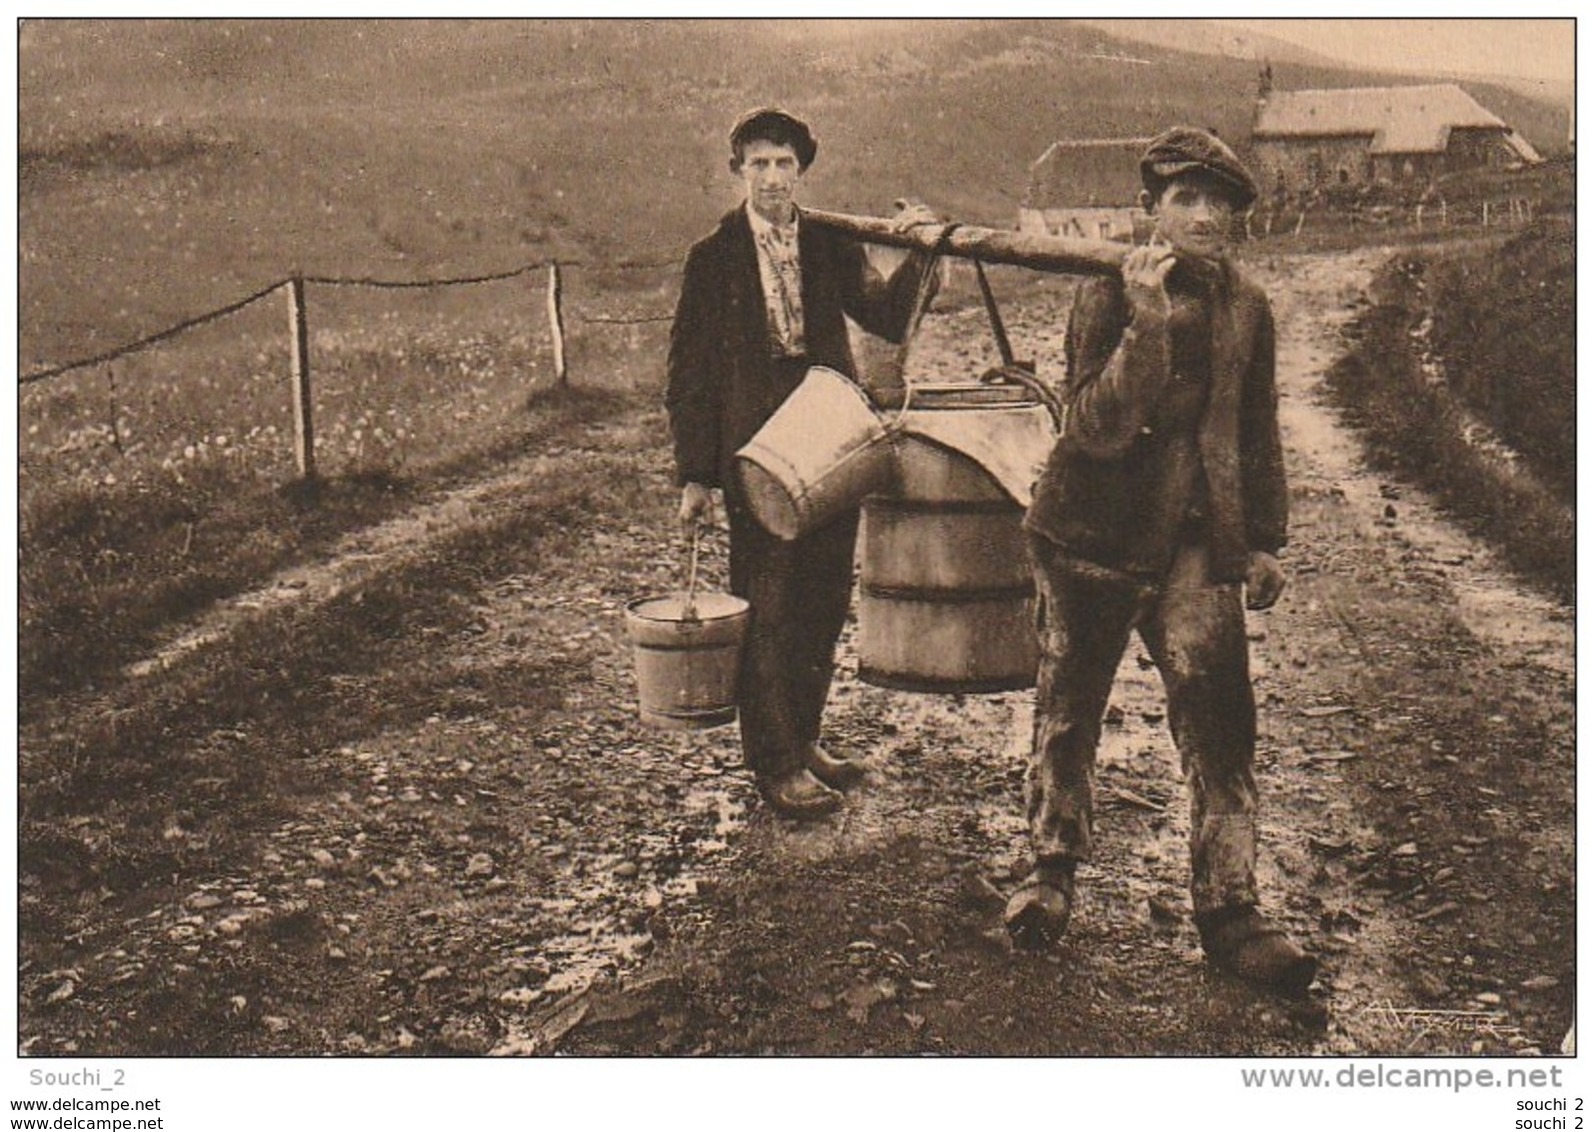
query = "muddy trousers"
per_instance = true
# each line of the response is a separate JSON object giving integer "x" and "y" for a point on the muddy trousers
{"x": 799, "y": 592}
{"x": 1194, "y": 631}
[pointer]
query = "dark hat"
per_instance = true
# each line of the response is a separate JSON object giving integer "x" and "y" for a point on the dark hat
{"x": 1185, "y": 148}
{"x": 770, "y": 124}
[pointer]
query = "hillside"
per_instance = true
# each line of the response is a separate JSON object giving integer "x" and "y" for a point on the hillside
{"x": 166, "y": 166}
{"x": 1207, "y": 37}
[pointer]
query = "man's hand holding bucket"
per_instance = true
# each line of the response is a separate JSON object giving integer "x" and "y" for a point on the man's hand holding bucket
{"x": 697, "y": 506}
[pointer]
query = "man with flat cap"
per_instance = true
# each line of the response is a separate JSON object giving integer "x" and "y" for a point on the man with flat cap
{"x": 763, "y": 298}
{"x": 1162, "y": 503}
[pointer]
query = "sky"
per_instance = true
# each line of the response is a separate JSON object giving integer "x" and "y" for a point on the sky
{"x": 1527, "y": 48}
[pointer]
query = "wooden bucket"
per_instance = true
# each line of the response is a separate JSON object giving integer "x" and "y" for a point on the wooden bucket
{"x": 946, "y": 599}
{"x": 822, "y": 452}
{"x": 687, "y": 652}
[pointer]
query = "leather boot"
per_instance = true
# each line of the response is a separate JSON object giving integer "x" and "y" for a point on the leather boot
{"x": 798, "y": 794}
{"x": 1037, "y": 914}
{"x": 1246, "y": 943}
{"x": 836, "y": 773}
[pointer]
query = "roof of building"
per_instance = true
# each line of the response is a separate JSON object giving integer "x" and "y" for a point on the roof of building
{"x": 1400, "y": 119}
{"x": 1524, "y": 148}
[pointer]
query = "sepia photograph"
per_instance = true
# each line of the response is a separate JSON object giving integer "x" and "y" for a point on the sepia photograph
{"x": 644, "y": 563}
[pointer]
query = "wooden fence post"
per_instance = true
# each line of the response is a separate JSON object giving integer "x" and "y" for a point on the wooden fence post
{"x": 299, "y": 362}
{"x": 116, "y": 409}
{"x": 556, "y": 323}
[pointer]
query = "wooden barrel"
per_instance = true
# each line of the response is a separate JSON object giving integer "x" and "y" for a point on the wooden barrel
{"x": 946, "y": 600}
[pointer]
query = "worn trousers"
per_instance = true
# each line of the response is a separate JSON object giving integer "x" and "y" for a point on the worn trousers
{"x": 799, "y": 591}
{"x": 1194, "y": 630}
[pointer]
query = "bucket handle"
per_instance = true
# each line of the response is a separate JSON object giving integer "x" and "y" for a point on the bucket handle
{"x": 1018, "y": 373}
{"x": 689, "y": 610}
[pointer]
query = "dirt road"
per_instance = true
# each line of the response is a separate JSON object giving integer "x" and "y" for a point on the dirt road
{"x": 523, "y": 868}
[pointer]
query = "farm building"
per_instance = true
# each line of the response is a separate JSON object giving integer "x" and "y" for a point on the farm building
{"x": 1086, "y": 187}
{"x": 1305, "y": 140}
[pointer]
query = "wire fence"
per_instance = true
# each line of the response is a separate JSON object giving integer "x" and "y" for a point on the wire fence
{"x": 302, "y": 406}
{"x": 1295, "y": 218}
{"x": 195, "y": 321}
{"x": 152, "y": 339}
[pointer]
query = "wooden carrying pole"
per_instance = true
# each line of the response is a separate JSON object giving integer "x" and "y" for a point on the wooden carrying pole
{"x": 1063, "y": 255}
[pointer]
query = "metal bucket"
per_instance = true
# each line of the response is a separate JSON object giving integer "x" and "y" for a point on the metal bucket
{"x": 822, "y": 452}
{"x": 946, "y": 599}
{"x": 687, "y": 652}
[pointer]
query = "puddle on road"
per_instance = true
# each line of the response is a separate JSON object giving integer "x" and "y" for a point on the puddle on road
{"x": 710, "y": 813}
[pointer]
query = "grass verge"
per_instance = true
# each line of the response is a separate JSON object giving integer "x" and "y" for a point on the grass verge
{"x": 105, "y": 570}
{"x": 1419, "y": 428}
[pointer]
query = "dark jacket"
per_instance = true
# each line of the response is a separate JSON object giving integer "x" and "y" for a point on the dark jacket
{"x": 1104, "y": 496}
{"x": 722, "y": 386}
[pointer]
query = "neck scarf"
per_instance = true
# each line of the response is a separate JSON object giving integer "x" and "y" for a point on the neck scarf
{"x": 780, "y": 270}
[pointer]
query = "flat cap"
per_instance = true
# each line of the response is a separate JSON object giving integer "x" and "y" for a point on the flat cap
{"x": 771, "y": 124}
{"x": 1184, "y": 148}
